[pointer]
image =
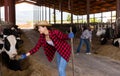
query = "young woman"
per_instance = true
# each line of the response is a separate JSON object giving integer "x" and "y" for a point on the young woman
{"x": 85, "y": 38}
{"x": 52, "y": 41}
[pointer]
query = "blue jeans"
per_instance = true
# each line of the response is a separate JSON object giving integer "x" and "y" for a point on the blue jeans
{"x": 87, "y": 43}
{"x": 61, "y": 63}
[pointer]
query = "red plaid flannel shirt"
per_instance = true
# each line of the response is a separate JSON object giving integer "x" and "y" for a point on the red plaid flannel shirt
{"x": 60, "y": 45}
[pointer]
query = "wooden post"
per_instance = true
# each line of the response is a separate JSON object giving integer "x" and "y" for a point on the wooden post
{"x": 10, "y": 11}
{"x": 49, "y": 15}
{"x": 0, "y": 15}
{"x": 117, "y": 15}
{"x": 88, "y": 11}
{"x": 71, "y": 8}
{"x": 72, "y": 52}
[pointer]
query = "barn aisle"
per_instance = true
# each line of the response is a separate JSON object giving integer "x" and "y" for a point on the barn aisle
{"x": 85, "y": 65}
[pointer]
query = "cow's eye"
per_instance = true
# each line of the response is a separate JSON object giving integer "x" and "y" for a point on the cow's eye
{"x": 7, "y": 44}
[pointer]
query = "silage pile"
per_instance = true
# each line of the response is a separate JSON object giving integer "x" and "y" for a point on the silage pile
{"x": 107, "y": 50}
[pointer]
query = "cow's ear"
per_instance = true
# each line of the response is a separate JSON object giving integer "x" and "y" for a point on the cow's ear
{"x": 6, "y": 31}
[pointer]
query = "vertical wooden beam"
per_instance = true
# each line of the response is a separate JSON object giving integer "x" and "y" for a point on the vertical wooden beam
{"x": 117, "y": 16}
{"x": 54, "y": 14}
{"x": 0, "y": 15}
{"x": 60, "y": 2}
{"x": 88, "y": 11}
{"x": 45, "y": 13}
{"x": 118, "y": 9}
{"x": 82, "y": 18}
{"x": 10, "y": 11}
{"x": 43, "y": 9}
{"x": 40, "y": 2}
{"x": 94, "y": 17}
{"x": 77, "y": 19}
{"x": 71, "y": 18}
{"x": 60, "y": 8}
{"x": 6, "y": 6}
{"x": 71, "y": 8}
{"x": 61, "y": 17}
{"x": 69, "y": 4}
{"x": 101, "y": 17}
{"x": 40, "y": 13}
{"x": 111, "y": 17}
{"x": 49, "y": 15}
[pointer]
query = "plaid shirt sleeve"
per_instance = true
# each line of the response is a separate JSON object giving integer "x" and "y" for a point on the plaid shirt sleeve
{"x": 36, "y": 48}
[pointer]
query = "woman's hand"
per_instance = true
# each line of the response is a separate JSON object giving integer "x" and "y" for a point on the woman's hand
{"x": 71, "y": 35}
{"x": 22, "y": 56}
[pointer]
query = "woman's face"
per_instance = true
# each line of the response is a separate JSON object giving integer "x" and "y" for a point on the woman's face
{"x": 41, "y": 29}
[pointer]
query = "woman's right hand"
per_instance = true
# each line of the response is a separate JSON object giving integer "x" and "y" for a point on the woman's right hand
{"x": 20, "y": 57}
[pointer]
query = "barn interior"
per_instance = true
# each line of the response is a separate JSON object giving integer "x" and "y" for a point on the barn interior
{"x": 103, "y": 57}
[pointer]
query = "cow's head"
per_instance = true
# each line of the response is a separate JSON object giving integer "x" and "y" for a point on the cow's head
{"x": 10, "y": 46}
{"x": 11, "y": 43}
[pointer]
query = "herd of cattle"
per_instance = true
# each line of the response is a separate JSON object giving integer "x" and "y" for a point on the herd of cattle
{"x": 108, "y": 33}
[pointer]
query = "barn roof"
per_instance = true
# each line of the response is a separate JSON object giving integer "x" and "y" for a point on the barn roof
{"x": 79, "y": 6}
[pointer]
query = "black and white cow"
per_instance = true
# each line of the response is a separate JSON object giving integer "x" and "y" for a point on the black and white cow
{"x": 9, "y": 44}
{"x": 116, "y": 42}
{"x": 105, "y": 34}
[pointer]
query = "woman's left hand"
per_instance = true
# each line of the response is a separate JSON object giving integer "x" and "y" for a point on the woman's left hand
{"x": 71, "y": 35}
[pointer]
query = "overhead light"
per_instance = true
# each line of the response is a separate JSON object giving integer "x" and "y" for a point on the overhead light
{"x": 31, "y": 1}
